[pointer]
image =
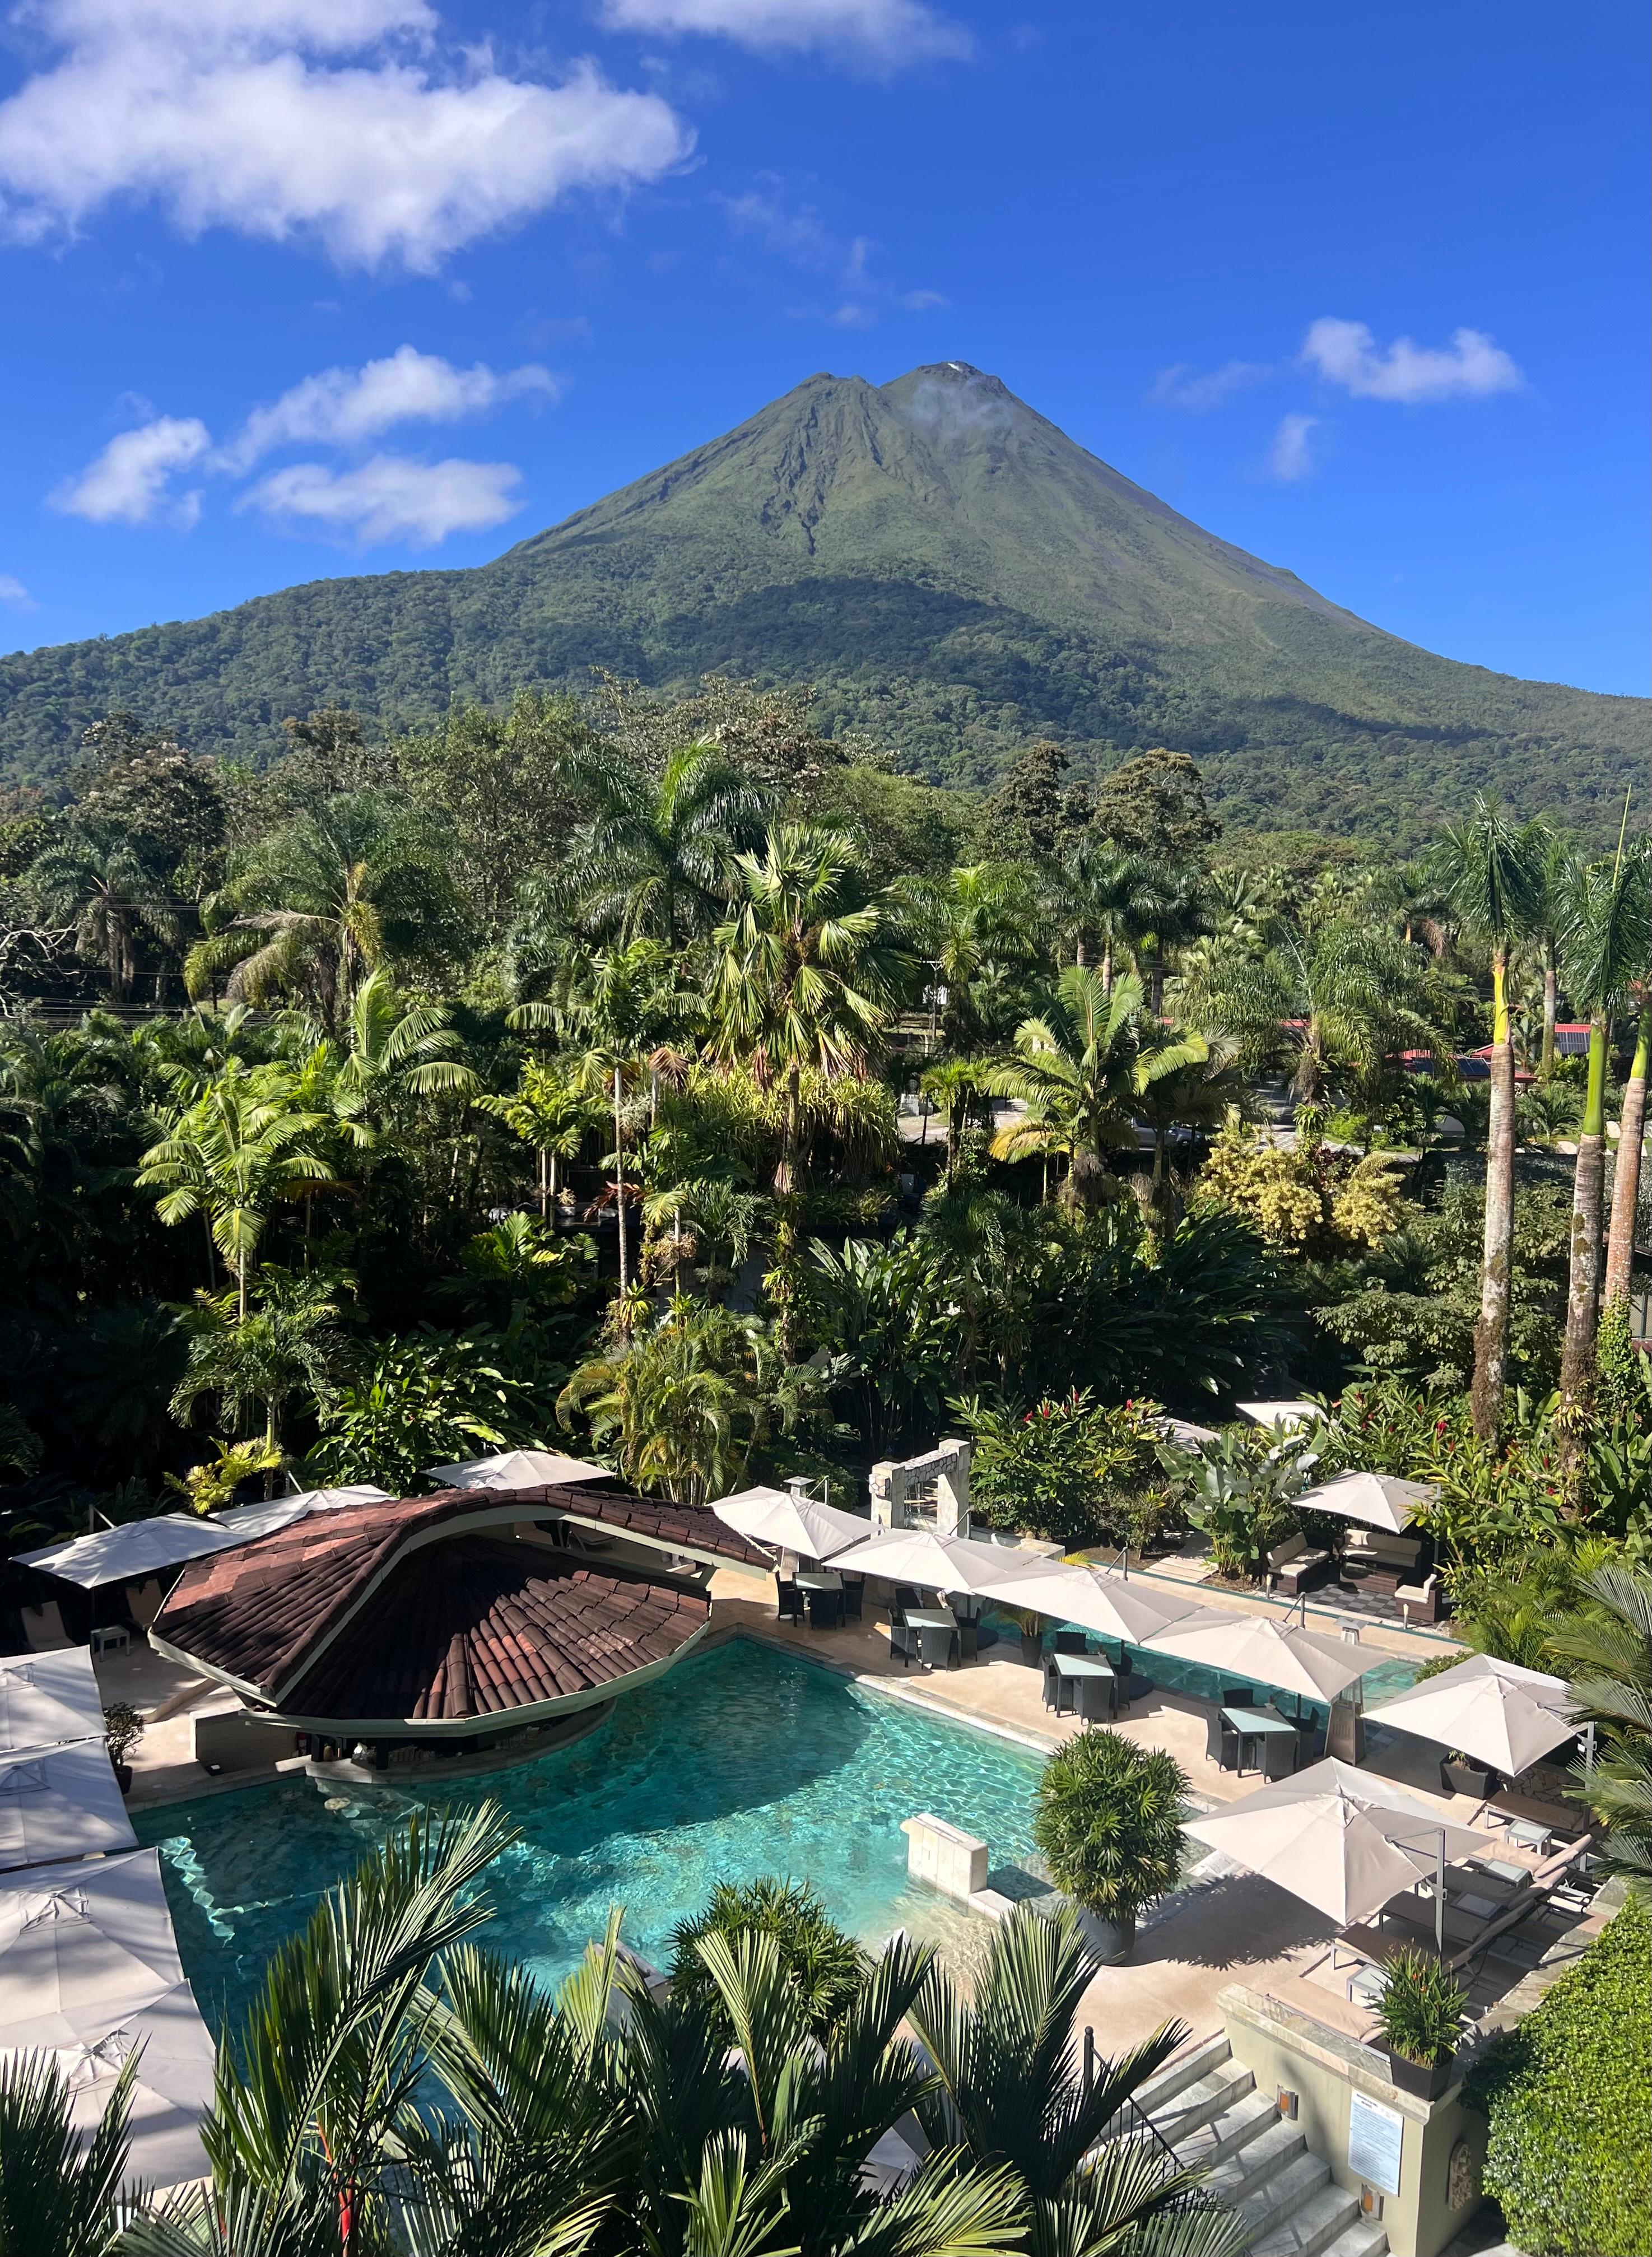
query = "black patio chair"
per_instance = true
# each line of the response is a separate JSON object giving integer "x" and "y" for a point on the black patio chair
{"x": 1222, "y": 1742}
{"x": 826, "y": 1609}
{"x": 854, "y": 1597}
{"x": 902, "y": 1643}
{"x": 787, "y": 1601}
{"x": 1071, "y": 1641}
{"x": 1238, "y": 1697}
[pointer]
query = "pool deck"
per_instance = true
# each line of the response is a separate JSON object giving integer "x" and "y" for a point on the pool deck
{"x": 1237, "y": 1928}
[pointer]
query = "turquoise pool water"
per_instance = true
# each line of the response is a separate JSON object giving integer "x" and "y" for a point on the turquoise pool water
{"x": 743, "y": 1762}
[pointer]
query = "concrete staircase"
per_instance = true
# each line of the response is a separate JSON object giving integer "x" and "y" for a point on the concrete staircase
{"x": 1207, "y": 2108}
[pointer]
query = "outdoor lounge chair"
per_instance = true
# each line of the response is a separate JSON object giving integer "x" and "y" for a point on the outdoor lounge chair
{"x": 1378, "y": 1561}
{"x": 1420, "y": 1603}
{"x": 144, "y": 1601}
{"x": 1292, "y": 1567}
{"x": 43, "y": 1627}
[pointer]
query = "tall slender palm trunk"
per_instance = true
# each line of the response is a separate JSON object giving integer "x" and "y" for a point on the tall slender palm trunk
{"x": 619, "y": 1177}
{"x": 1551, "y": 998}
{"x": 1583, "y": 1293}
{"x": 785, "y": 1187}
{"x": 1491, "y": 1334}
{"x": 1626, "y": 1174}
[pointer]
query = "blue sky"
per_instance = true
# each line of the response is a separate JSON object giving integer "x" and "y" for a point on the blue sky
{"x": 299, "y": 287}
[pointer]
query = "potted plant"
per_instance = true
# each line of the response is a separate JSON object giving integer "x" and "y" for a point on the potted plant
{"x": 1032, "y": 1629}
{"x": 1461, "y": 1774}
{"x": 122, "y": 1728}
{"x": 1419, "y": 2012}
{"x": 1108, "y": 1824}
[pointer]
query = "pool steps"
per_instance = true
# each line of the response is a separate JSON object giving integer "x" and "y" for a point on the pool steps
{"x": 1207, "y": 2108}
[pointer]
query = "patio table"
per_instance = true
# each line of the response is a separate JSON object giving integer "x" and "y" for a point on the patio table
{"x": 1093, "y": 1684}
{"x": 937, "y": 1629}
{"x": 820, "y": 1579}
{"x": 1259, "y": 1724}
{"x": 824, "y": 1593}
{"x": 931, "y": 1617}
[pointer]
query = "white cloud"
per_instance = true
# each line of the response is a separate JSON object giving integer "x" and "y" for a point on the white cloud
{"x": 796, "y": 231}
{"x": 1182, "y": 386}
{"x": 345, "y": 405}
{"x": 390, "y": 498}
{"x": 884, "y": 33}
{"x": 245, "y": 114}
{"x": 1470, "y": 367}
{"x": 129, "y": 481}
{"x": 14, "y": 593}
{"x": 1292, "y": 455}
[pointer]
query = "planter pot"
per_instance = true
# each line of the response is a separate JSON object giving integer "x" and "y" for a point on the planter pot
{"x": 1110, "y": 1940}
{"x": 1033, "y": 1648}
{"x": 123, "y": 1775}
{"x": 1468, "y": 1778}
{"x": 1424, "y": 2080}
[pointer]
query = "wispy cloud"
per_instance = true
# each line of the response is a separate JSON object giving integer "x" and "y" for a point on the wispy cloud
{"x": 343, "y": 406}
{"x": 391, "y": 499}
{"x": 14, "y": 594}
{"x": 791, "y": 226}
{"x": 129, "y": 483}
{"x": 1182, "y": 385}
{"x": 343, "y": 122}
{"x": 1292, "y": 456}
{"x": 880, "y": 35}
{"x": 1470, "y": 367}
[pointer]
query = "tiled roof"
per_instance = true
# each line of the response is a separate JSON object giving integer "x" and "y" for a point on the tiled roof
{"x": 260, "y": 1613}
{"x": 475, "y": 1627}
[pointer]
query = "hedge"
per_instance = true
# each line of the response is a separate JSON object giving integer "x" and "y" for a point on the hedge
{"x": 1569, "y": 2095}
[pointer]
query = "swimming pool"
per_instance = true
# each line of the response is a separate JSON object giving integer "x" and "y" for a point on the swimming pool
{"x": 744, "y": 1761}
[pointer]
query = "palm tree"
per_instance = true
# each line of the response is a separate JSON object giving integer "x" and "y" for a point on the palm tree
{"x": 99, "y": 881}
{"x": 808, "y": 972}
{"x": 1105, "y": 896}
{"x": 1492, "y": 871}
{"x": 974, "y": 926}
{"x": 394, "y": 1046}
{"x": 243, "y": 1146}
{"x": 1625, "y": 1169}
{"x": 1170, "y": 911}
{"x": 1195, "y": 1095}
{"x": 624, "y": 1008}
{"x": 60, "y": 2197}
{"x": 319, "y": 902}
{"x": 256, "y": 1363}
{"x": 551, "y": 1110}
{"x": 1607, "y": 938}
{"x": 1011, "y": 2091}
{"x": 1609, "y": 1641}
{"x": 1079, "y": 1071}
{"x": 657, "y": 859}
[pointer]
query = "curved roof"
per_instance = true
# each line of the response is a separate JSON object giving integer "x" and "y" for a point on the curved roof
{"x": 447, "y": 1625}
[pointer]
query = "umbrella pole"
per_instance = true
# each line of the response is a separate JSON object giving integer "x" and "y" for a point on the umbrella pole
{"x": 1439, "y": 1899}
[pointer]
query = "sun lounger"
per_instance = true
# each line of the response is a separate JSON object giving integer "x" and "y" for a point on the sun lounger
{"x": 43, "y": 1627}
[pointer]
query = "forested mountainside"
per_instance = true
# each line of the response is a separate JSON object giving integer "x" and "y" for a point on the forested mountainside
{"x": 953, "y": 574}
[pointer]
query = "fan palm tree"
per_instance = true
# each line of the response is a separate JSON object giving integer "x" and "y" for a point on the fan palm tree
{"x": 99, "y": 881}
{"x": 974, "y": 926}
{"x": 1491, "y": 870}
{"x": 1606, "y": 939}
{"x": 808, "y": 972}
{"x": 657, "y": 859}
{"x": 1080, "y": 1071}
{"x": 1011, "y": 2092}
{"x": 243, "y": 1146}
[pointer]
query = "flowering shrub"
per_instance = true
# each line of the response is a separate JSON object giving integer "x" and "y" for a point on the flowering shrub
{"x": 1069, "y": 1469}
{"x": 1305, "y": 1201}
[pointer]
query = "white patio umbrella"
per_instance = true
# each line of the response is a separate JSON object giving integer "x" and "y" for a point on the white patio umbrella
{"x": 89, "y": 1970}
{"x": 1184, "y": 1431}
{"x": 136, "y": 1549}
{"x": 1271, "y": 1651}
{"x": 517, "y": 1469}
{"x": 1343, "y": 1840}
{"x": 251, "y": 1521}
{"x": 940, "y": 1563}
{"x": 1283, "y": 1417}
{"x": 60, "y": 1802}
{"x": 1378, "y": 1500}
{"x": 792, "y": 1524}
{"x": 1110, "y": 1604}
{"x": 47, "y": 1698}
{"x": 1494, "y": 1710}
